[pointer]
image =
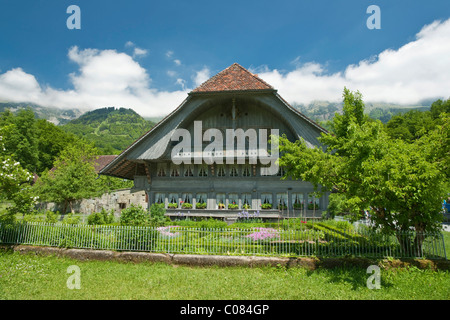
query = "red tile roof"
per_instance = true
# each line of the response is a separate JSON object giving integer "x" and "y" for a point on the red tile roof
{"x": 233, "y": 78}
{"x": 102, "y": 161}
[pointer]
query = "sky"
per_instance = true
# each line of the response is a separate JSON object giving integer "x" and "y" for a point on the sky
{"x": 147, "y": 55}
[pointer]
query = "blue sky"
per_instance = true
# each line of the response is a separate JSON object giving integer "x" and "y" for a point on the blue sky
{"x": 148, "y": 54}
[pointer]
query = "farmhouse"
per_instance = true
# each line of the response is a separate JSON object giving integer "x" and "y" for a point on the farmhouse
{"x": 212, "y": 154}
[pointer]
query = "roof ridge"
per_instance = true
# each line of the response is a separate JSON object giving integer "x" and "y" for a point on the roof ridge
{"x": 230, "y": 79}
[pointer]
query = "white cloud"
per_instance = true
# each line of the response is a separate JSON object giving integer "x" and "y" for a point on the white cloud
{"x": 177, "y": 62}
{"x": 138, "y": 52}
{"x": 169, "y": 54}
{"x": 182, "y": 83}
{"x": 129, "y": 44}
{"x": 201, "y": 76}
{"x": 416, "y": 71}
{"x": 104, "y": 78}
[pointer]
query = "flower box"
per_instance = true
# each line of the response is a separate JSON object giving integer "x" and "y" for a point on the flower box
{"x": 233, "y": 206}
{"x": 172, "y": 206}
{"x": 266, "y": 206}
{"x": 201, "y": 205}
{"x": 186, "y": 205}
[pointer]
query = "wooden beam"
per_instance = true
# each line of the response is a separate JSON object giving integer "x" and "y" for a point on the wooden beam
{"x": 147, "y": 172}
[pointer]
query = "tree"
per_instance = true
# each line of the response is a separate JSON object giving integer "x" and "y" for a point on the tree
{"x": 51, "y": 141}
{"x": 73, "y": 176}
{"x": 402, "y": 183}
{"x": 21, "y": 139}
{"x": 14, "y": 180}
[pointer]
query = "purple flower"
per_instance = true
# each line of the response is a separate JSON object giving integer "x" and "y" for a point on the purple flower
{"x": 263, "y": 234}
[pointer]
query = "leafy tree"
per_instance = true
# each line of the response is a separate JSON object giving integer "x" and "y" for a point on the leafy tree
{"x": 14, "y": 180}
{"x": 21, "y": 139}
{"x": 411, "y": 125}
{"x": 403, "y": 183}
{"x": 51, "y": 141}
{"x": 438, "y": 107}
{"x": 72, "y": 178}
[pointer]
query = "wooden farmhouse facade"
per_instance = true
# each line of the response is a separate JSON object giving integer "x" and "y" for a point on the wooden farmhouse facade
{"x": 185, "y": 162}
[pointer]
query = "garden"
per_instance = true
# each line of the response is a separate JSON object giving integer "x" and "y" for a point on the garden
{"x": 136, "y": 230}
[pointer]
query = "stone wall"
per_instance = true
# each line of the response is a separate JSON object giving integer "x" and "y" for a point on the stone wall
{"x": 115, "y": 200}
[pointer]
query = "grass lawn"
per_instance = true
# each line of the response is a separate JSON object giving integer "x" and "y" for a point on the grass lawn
{"x": 36, "y": 277}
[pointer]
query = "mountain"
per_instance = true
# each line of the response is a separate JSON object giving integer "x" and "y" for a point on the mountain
{"x": 111, "y": 129}
{"x": 323, "y": 111}
{"x": 54, "y": 115}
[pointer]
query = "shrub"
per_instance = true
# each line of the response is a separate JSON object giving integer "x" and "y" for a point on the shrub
{"x": 157, "y": 214}
{"x": 344, "y": 225}
{"x": 134, "y": 216}
{"x": 186, "y": 205}
{"x": 100, "y": 218}
{"x": 33, "y": 218}
{"x": 233, "y": 206}
{"x": 51, "y": 217}
{"x": 71, "y": 219}
{"x": 172, "y": 205}
{"x": 212, "y": 223}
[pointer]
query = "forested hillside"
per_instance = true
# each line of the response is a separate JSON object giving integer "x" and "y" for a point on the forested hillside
{"x": 110, "y": 129}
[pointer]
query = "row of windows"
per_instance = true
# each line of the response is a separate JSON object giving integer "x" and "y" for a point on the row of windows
{"x": 203, "y": 171}
{"x": 241, "y": 201}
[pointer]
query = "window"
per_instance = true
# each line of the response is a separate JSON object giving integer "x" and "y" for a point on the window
{"x": 313, "y": 202}
{"x": 246, "y": 172}
{"x": 201, "y": 201}
{"x": 246, "y": 201}
{"x": 159, "y": 197}
{"x": 203, "y": 171}
{"x": 161, "y": 170}
{"x": 233, "y": 201}
{"x": 174, "y": 171}
{"x": 234, "y": 171}
{"x": 282, "y": 201}
{"x": 220, "y": 200}
{"x": 201, "y": 197}
{"x": 297, "y": 201}
{"x": 173, "y": 198}
{"x": 186, "y": 197}
{"x": 188, "y": 171}
{"x": 266, "y": 201}
{"x": 221, "y": 171}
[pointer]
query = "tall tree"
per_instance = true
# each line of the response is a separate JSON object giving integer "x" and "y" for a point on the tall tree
{"x": 15, "y": 181}
{"x": 21, "y": 139}
{"x": 403, "y": 183}
{"x": 72, "y": 178}
{"x": 51, "y": 141}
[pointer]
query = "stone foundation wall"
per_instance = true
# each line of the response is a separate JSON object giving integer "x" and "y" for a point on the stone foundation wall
{"x": 115, "y": 200}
